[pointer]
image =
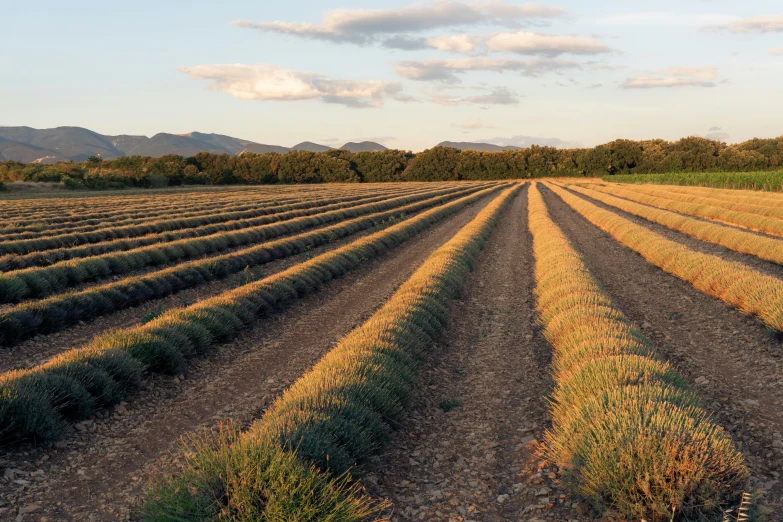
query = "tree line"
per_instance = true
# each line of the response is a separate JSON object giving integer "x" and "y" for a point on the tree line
{"x": 692, "y": 154}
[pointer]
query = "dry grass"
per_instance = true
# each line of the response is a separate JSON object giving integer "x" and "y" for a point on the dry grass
{"x": 627, "y": 430}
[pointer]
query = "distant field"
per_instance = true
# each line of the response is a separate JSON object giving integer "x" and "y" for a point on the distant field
{"x": 768, "y": 181}
{"x": 564, "y": 349}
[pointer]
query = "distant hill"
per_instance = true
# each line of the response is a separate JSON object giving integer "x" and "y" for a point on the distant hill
{"x": 29, "y": 145}
{"x": 464, "y": 145}
{"x": 312, "y": 147}
{"x": 362, "y": 146}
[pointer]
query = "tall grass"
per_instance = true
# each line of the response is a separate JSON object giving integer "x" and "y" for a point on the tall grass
{"x": 627, "y": 430}
{"x": 37, "y": 403}
{"x": 340, "y": 412}
{"x": 55, "y": 313}
{"x": 770, "y": 181}
{"x": 734, "y": 283}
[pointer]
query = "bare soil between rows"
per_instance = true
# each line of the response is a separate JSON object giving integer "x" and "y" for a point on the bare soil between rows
{"x": 470, "y": 447}
{"x": 101, "y": 468}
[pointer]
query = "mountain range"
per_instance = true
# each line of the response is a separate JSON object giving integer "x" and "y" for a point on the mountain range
{"x": 29, "y": 145}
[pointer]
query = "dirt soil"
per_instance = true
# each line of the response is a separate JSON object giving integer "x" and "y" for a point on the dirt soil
{"x": 470, "y": 447}
{"x": 733, "y": 361}
{"x": 101, "y": 468}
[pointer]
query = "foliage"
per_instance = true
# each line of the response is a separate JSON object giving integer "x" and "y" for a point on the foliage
{"x": 619, "y": 157}
{"x": 769, "y": 181}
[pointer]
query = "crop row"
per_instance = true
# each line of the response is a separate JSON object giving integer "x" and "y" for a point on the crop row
{"x": 31, "y": 229}
{"x": 110, "y": 232}
{"x": 764, "y": 224}
{"x": 734, "y": 283}
{"x": 627, "y": 431}
{"x": 36, "y": 211}
{"x": 735, "y": 239}
{"x": 729, "y": 204}
{"x": 337, "y": 414}
{"x": 58, "y": 312}
{"x": 106, "y": 230}
{"x": 130, "y": 217}
{"x": 764, "y": 199}
{"x": 44, "y": 281}
{"x": 37, "y": 402}
{"x": 22, "y": 207}
{"x": 10, "y": 262}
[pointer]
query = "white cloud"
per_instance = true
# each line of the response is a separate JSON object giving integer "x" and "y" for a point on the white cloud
{"x": 674, "y": 77}
{"x": 458, "y": 43}
{"x": 447, "y": 71}
{"x": 776, "y": 52}
{"x": 756, "y": 24}
{"x": 364, "y": 26}
{"x": 497, "y": 96}
{"x": 524, "y": 42}
{"x": 270, "y": 82}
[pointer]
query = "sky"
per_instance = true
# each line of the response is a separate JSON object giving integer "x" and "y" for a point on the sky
{"x": 406, "y": 74}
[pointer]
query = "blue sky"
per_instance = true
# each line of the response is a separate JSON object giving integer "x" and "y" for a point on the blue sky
{"x": 407, "y": 74}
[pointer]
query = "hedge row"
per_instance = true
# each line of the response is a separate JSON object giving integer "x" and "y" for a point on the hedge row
{"x": 108, "y": 230}
{"x": 734, "y": 283}
{"x": 768, "y": 225}
{"x": 49, "y": 257}
{"x": 628, "y": 432}
{"x": 735, "y": 239}
{"x": 336, "y": 415}
{"x": 58, "y": 312}
{"x": 773, "y": 209}
{"x": 37, "y": 402}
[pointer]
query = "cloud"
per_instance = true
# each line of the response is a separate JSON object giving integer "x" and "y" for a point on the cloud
{"x": 472, "y": 125}
{"x": 447, "y": 71}
{"x": 776, "y": 52}
{"x": 717, "y": 134}
{"x": 459, "y": 43}
{"x": 674, "y": 77}
{"x": 756, "y": 24}
{"x": 497, "y": 96}
{"x": 272, "y": 83}
{"x": 364, "y": 26}
{"x": 524, "y": 42}
{"x": 594, "y": 85}
{"x": 405, "y": 43}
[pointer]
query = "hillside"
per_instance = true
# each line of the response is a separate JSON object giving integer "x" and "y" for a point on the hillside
{"x": 464, "y": 145}
{"x": 362, "y": 146}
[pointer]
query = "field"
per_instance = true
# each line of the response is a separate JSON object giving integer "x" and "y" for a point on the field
{"x": 564, "y": 349}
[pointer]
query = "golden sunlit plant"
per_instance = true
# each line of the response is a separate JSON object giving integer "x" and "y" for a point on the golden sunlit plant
{"x": 627, "y": 431}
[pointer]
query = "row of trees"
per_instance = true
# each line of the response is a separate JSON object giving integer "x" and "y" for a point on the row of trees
{"x": 691, "y": 154}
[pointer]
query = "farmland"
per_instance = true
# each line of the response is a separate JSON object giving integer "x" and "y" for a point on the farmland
{"x": 564, "y": 349}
